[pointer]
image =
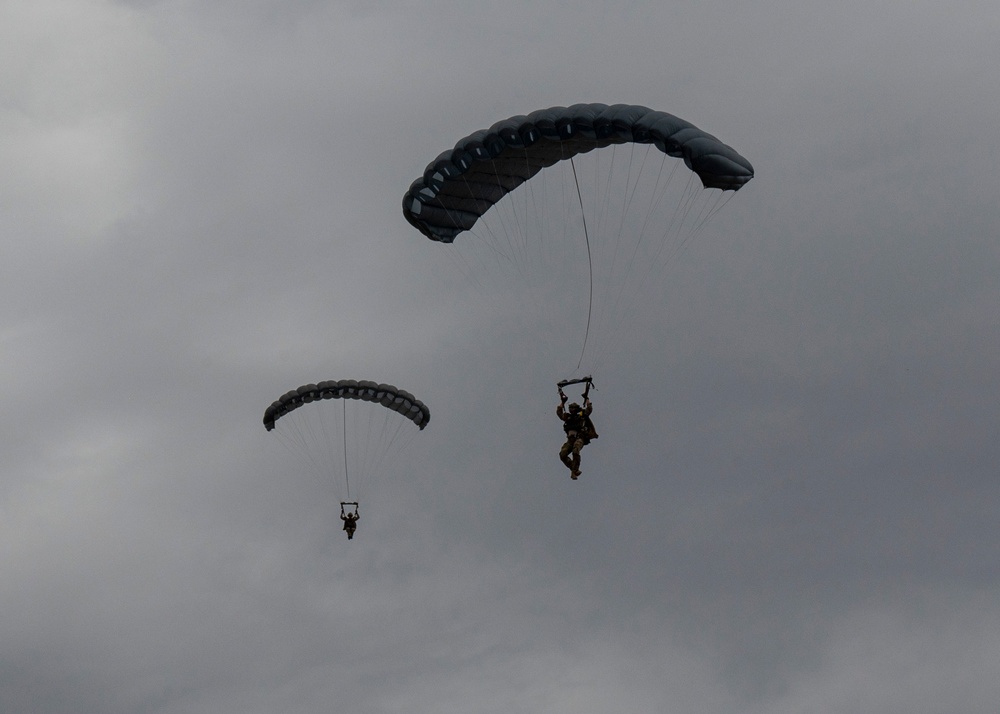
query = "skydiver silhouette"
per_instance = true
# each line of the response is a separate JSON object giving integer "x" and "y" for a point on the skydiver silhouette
{"x": 578, "y": 427}
{"x": 350, "y": 520}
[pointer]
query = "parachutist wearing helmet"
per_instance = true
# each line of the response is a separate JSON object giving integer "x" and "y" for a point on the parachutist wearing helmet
{"x": 350, "y": 519}
{"x": 578, "y": 427}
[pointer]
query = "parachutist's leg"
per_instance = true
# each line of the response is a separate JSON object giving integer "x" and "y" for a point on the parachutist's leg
{"x": 564, "y": 454}
{"x": 575, "y": 462}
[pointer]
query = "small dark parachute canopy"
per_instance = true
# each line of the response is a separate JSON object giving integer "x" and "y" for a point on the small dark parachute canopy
{"x": 387, "y": 395}
{"x": 463, "y": 183}
{"x": 347, "y": 431}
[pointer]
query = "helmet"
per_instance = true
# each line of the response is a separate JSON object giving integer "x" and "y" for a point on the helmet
{"x": 574, "y": 407}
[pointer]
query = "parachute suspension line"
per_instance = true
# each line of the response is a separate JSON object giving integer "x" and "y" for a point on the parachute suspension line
{"x": 673, "y": 232}
{"x": 510, "y": 253}
{"x": 512, "y": 231}
{"x": 590, "y": 263}
{"x": 680, "y": 225}
{"x": 464, "y": 262}
{"x": 707, "y": 211}
{"x": 535, "y": 200}
{"x": 294, "y": 435}
{"x": 490, "y": 237}
{"x": 523, "y": 226}
{"x": 395, "y": 435}
{"x": 659, "y": 188}
{"x": 612, "y": 230}
{"x": 716, "y": 207}
{"x": 634, "y": 274}
{"x": 347, "y": 478}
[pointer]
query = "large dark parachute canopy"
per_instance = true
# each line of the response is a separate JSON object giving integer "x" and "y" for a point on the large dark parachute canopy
{"x": 385, "y": 394}
{"x": 463, "y": 183}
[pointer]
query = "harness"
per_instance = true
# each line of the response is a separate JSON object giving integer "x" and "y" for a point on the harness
{"x": 575, "y": 422}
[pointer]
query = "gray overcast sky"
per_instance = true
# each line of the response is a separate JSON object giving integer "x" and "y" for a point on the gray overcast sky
{"x": 792, "y": 506}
